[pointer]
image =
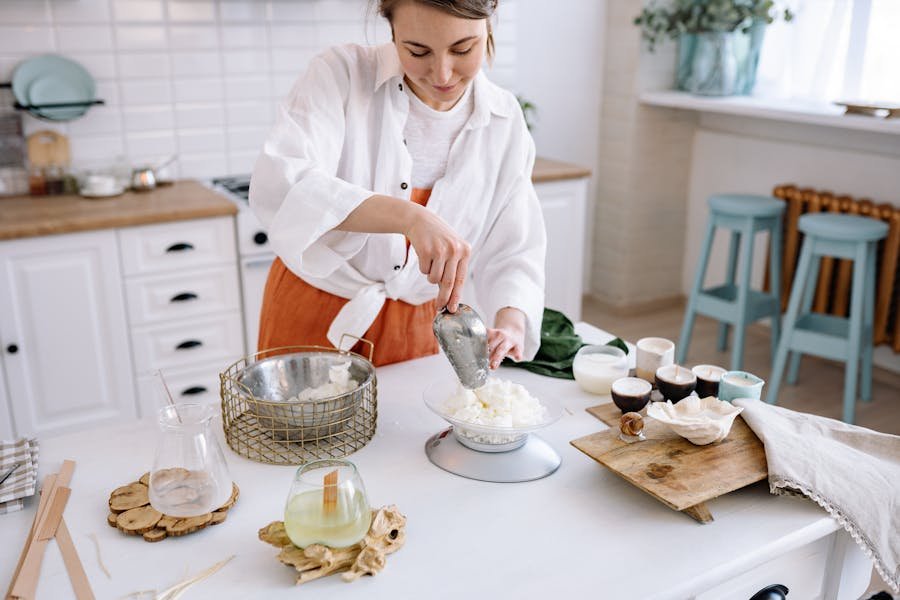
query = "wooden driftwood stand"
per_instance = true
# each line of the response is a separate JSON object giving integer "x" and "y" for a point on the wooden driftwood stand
{"x": 386, "y": 535}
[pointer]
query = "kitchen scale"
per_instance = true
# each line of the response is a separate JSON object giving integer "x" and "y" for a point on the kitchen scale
{"x": 482, "y": 452}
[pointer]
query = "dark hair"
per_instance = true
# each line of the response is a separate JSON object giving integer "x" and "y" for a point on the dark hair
{"x": 465, "y": 9}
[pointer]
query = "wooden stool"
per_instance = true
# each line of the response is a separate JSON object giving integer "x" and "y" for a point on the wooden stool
{"x": 735, "y": 303}
{"x": 847, "y": 339}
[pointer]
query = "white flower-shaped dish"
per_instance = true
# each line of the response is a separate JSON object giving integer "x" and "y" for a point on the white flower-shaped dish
{"x": 700, "y": 421}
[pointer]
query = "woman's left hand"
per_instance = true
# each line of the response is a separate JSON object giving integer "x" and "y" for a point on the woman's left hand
{"x": 507, "y": 338}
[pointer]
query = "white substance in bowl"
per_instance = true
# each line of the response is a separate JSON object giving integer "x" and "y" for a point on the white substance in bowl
{"x": 339, "y": 382}
{"x": 498, "y": 403}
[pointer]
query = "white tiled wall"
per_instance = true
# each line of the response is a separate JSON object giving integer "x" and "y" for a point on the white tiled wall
{"x": 199, "y": 78}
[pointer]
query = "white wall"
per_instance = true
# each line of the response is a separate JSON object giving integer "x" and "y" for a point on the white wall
{"x": 200, "y": 78}
{"x": 560, "y": 69}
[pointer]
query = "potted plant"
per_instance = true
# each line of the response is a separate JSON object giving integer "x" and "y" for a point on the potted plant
{"x": 718, "y": 40}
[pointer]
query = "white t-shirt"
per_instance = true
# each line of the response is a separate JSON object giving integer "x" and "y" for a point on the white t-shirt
{"x": 338, "y": 139}
{"x": 429, "y": 133}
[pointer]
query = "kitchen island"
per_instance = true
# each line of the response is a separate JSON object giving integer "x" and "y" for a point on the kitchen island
{"x": 581, "y": 532}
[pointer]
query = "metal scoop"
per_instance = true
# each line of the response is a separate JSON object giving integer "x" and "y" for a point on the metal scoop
{"x": 463, "y": 338}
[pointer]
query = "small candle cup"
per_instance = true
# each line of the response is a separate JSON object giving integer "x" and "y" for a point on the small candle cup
{"x": 651, "y": 354}
{"x": 708, "y": 377}
{"x": 631, "y": 394}
{"x": 739, "y": 384}
{"x": 675, "y": 382}
{"x": 597, "y": 367}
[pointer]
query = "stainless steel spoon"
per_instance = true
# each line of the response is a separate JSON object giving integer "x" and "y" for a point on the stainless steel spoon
{"x": 463, "y": 338}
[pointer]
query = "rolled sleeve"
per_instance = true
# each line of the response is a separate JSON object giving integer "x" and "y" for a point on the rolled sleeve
{"x": 294, "y": 190}
{"x": 509, "y": 268}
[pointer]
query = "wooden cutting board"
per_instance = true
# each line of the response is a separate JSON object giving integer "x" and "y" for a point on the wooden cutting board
{"x": 674, "y": 471}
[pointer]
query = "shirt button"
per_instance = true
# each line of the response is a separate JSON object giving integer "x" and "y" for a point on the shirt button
{"x": 396, "y": 267}
{"x": 400, "y": 85}
{"x": 404, "y": 141}
{"x": 403, "y": 186}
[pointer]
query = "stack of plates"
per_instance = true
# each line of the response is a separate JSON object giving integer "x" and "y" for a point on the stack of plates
{"x": 52, "y": 79}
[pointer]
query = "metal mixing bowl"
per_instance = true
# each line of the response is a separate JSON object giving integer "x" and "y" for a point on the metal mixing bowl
{"x": 272, "y": 382}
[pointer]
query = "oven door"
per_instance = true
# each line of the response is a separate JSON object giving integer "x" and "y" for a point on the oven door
{"x": 254, "y": 272}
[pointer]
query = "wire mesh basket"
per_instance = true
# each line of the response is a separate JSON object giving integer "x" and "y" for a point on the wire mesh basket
{"x": 264, "y": 421}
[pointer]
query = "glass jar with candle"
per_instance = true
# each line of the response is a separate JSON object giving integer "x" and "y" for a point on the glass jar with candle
{"x": 596, "y": 367}
{"x": 189, "y": 476}
{"x": 327, "y": 505}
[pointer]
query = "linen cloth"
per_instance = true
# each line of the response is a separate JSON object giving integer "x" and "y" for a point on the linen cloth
{"x": 23, "y": 482}
{"x": 338, "y": 139}
{"x": 850, "y": 471}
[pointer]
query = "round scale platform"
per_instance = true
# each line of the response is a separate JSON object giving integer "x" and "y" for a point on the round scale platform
{"x": 532, "y": 460}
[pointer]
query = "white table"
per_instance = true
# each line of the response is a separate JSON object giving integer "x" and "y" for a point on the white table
{"x": 580, "y": 531}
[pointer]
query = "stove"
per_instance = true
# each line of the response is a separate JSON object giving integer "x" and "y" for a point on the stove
{"x": 256, "y": 255}
{"x": 238, "y": 186}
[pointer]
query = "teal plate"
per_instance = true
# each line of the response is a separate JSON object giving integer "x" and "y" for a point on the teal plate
{"x": 51, "y": 79}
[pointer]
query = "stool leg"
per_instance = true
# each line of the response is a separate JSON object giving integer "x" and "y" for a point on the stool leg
{"x": 690, "y": 311}
{"x": 740, "y": 327}
{"x": 809, "y": 293}
{"x": 775, "y": 281}
{"x": 722, "y": 343}
{"x": 790, "y": 320}
{"x": 856, "y": 325}
{"x": 865, "y": 384}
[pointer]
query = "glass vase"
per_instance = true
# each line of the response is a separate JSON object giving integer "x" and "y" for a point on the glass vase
{"x": 327, "y": 505}
{"x": 189, "y": 475}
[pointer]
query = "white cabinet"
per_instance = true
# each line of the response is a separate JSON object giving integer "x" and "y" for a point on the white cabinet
{"x": 563, "y": 204}
{"x": 64, "y": 333}
{"x": 184, "y": 307}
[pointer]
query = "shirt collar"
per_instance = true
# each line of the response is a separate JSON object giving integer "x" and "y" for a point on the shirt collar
{"x": 488, "y": 97}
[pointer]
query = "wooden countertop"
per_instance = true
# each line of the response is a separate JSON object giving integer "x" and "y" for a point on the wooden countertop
{"x": 554, "y": 170}
{"x": 29, "y": 216}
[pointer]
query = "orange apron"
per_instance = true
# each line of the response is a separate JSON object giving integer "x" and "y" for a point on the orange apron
{"x": 295, "y": 313}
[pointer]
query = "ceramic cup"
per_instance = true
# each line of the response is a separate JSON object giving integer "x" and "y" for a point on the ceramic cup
{"x": 739, "y": 384}
{"x": 596, "y": 367}
{"x": 631, "y": 394}
{"x": 675, "y": 382}
{"x": 653, "y": 353}
{"x": 708, "y": 377}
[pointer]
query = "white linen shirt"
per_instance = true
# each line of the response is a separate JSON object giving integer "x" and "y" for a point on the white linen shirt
{"x": 338, "y": 140}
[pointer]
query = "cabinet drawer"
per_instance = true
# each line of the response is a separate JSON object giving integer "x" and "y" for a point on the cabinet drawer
{"x": 177, "y": 245}
{"x": 801, "y": 570}
{"x": 183, "y": 343}
{"x": 195, "y": 384}
{"x": 157, "y": 298}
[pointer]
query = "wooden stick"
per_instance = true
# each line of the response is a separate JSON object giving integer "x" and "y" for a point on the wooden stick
{"x": 169, "y": 395}
{"x": 25, "y": 585}
{"x": 43, "y": 497}
{"x": 329, "y": 495}
{"x": 77, "y": 576}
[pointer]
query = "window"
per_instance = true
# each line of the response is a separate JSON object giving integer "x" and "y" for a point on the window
{"x": 834, "y": 50}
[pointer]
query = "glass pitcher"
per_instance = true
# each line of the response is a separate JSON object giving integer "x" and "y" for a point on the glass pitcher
{"x": 327, "y": 505}
{"x": 189, "y": 475}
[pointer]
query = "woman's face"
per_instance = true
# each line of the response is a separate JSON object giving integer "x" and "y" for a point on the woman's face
{"x": 440, "y": 53}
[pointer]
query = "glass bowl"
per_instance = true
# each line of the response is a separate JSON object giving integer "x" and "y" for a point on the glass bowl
{"x": 485, "y": 438}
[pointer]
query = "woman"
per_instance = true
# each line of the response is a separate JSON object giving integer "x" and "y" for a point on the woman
{"x": 396, "y": 179}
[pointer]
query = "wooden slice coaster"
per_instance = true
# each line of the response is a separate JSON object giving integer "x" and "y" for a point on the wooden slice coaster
{"x": 130, "y": 512}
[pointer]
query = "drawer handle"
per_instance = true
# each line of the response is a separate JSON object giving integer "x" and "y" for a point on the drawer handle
{"x": 775, "y": 591}
{"x": 188, "y": 345}
{"x": 184, "y": 297}
{"x": 180, "y": 247}
{"x": 192, "y": 391}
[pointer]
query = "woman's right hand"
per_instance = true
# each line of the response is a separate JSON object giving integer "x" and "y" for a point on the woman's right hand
{"x": 443, "y": 255}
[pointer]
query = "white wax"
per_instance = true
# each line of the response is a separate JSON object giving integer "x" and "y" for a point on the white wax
{"x": 675, "y": 374}
{"x": 631, "y": 386}
{"x": 708, "y": 372}
{"x": 595, "y": 372}
{"x": 740, "y": 380}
